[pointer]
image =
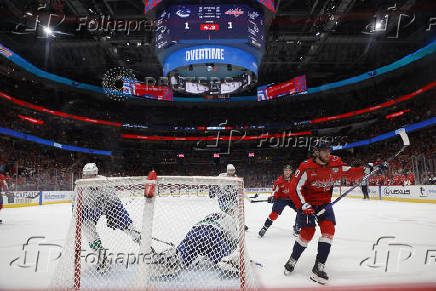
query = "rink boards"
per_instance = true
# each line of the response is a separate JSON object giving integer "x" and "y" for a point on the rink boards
{"x": 33, "y": 198}
{"x": 416, "y": 194}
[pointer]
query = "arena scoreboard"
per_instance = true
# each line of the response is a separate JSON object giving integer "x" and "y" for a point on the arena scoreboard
{"x": 150, "y": 4}
{"x": 210, "y": 47}
{"x": 189, "y": 23}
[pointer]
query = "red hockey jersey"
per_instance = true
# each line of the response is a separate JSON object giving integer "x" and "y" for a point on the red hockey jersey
{"x": 281, "y": 188}
{"x": 313, "y": 183}
{"x": 3, "y": 184}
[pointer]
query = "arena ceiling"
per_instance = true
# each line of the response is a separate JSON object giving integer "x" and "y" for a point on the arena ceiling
{"x": 325, "y": 40}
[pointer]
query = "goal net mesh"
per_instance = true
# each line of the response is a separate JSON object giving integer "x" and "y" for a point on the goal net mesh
{"x": 189, "y": 235}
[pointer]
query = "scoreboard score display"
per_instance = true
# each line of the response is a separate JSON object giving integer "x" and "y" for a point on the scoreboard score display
{"x": 183, "y": 24}
{"x": 150, "y": 4}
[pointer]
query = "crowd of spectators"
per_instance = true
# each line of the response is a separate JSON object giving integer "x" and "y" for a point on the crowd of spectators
{"x": 29, "y": 166}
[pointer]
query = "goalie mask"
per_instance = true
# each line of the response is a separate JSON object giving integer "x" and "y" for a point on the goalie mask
{"x": 90, "y": 169}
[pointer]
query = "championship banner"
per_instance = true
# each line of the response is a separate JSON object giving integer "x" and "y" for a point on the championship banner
{"x": 295, "y": 86}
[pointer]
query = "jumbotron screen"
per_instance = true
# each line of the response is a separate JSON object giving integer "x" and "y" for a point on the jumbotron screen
{"x": 180, "y": 23}
{"x": 150, "y": 4}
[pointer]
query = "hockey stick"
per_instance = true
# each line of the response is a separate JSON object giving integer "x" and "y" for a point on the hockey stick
{"x": 164, "y": 242}
{"x": 406, "y": 142}
{"x": 258, "y": 201}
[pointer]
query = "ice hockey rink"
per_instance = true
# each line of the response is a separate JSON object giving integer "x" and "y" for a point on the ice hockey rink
{"x": 379, "y": 243}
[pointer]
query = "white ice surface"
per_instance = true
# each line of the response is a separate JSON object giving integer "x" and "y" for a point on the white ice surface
{"x": 359, "y": 225}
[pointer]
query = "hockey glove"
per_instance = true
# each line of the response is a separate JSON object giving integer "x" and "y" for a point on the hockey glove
{"x": 367, "y": 170}
{"x": 382, "y": 167}
{"x": 271, "y": 199}
{"x": 307, "y": 209}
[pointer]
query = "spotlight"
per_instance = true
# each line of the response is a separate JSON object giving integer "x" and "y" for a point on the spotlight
{"x": 378, "y": 25}
{"x": 48, "y": 30}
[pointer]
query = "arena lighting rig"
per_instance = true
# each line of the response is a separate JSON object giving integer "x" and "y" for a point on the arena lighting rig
{"x": 210, "y": 49}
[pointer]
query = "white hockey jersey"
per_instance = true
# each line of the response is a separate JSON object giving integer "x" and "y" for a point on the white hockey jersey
{"x": 223, "y": 222}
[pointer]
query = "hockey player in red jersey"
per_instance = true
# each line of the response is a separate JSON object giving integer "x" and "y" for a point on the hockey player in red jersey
{"x": 311, "y": 190}
{"x": 280, "y": 200}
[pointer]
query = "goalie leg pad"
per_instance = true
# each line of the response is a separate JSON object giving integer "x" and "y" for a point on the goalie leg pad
{"x": 204, "y": 240}
{"x": 166, "y": 264}
{"x": 117, "y": 216}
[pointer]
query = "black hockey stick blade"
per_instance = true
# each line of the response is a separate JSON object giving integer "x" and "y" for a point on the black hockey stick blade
{"x": 258, "y": 201}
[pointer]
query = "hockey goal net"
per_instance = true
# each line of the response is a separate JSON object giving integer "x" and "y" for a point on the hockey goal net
{"x": 189, "y": 235}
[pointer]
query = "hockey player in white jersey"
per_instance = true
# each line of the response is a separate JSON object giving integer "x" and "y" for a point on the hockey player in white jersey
{"x": 214, "y": 238}
{"x": 104, "y": 201}
{"x": 214, "y": 189}
{"x": 231, "y": 171}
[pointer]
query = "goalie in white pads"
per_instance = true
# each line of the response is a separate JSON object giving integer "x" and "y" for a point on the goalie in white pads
{"x": 104, "y": 202}
{"x": 215, "y": 238}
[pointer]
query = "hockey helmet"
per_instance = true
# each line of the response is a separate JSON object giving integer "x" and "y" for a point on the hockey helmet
{"x": 90, "y": 169}
{"x": 322, "y": 145}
